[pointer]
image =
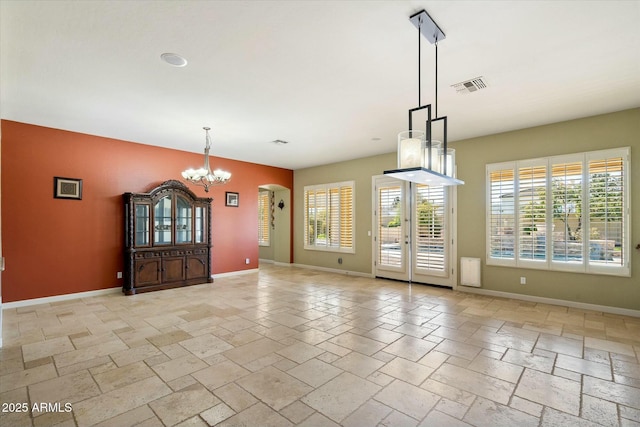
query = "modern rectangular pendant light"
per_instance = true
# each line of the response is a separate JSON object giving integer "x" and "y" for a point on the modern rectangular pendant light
{"x": 422, "y": 159}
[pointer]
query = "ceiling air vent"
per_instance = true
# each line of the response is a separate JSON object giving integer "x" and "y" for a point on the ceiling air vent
{"x": 469, "y": 86}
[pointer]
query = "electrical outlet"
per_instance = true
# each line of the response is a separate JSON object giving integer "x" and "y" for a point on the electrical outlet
{"x": 523, "y": 280}
{"x": 119, "y": 275}
{"x": 247, "y": 260}
{"x": 340, "y": 260}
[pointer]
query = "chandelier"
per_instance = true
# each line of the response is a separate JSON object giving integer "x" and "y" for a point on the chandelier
{"x": 203, "y": 176}
{"x": 421, "y": 158}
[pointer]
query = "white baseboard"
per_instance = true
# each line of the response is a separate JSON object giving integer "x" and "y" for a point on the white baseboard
{"x": 552, "y": 301}
{"x": 282, "y": 264}
{"x": 278, "y": 263}
{"x": 234, "y": 273}
{"x": 57, "y": 298}
{"x": 333, "y": 270}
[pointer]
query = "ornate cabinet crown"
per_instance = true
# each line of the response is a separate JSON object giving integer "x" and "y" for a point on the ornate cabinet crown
{"x": 167, "y": 239}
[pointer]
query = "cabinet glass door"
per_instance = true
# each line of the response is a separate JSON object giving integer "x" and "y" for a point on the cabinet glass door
{"x": 162, "y": 221}
{"x": 183, "y": 220}
{"x": 200, "y": 224}
{"x": 142, "y": 224}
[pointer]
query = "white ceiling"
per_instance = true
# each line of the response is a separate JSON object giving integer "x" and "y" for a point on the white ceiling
{"x": 330, "y": 77}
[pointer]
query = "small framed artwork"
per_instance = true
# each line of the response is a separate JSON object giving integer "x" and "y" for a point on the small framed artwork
{"x": 232, "y": 199}
{"x": 67, "y": 188}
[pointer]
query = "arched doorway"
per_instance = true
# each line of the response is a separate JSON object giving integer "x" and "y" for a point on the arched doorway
{"x": 274, "y": 213}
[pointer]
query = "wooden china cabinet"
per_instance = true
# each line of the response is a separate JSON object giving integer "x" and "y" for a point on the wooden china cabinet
{"x": 167, "y": 239}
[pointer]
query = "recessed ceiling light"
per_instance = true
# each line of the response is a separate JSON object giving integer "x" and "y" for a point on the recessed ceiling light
{"x": 174, "y": 59}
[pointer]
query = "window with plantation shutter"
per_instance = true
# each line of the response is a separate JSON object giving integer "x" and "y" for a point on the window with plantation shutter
{"x": 568, "y": 213}
{"x": 328, "y": 217}
{"x": 264, "y": 212}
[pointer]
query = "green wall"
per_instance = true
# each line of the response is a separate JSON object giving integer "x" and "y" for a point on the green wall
{"x": 360, "y": 171}
{"x": 279, "y": 249}
{"x": 619, "y": 129}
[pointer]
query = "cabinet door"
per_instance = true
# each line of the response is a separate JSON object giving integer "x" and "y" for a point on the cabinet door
{"x": 162, "y": 221}
{"x": 196, "y": 266}
{"x": 173, "y": 269}
{"x": 184, "y": 220}
{"x": 147, "y": 272}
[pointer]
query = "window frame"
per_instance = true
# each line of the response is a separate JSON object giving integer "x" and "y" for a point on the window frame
{"x": 344, "y": 213}
{"x": 584, "y": 264}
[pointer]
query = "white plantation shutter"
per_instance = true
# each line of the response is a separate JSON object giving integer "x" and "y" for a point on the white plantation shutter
{"x": 390, "y": 217}
{"x": 309, "y": 217}
{"x": 333, "y": 220}
{"x": 608, "y": 221}
{"x": 567, "y": 190}
{"x": 320, "y": 215}
{"x": 346, "y": 216}
{"x": 264, "y": 211}
{"x": 501, "y": 213}
{"x": 329, "y": 211}
{"x": 572, "y": 213}
{"x": 532, "y": 210}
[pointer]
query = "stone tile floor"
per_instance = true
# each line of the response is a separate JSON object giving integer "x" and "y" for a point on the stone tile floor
{"x": 288, "y": 346}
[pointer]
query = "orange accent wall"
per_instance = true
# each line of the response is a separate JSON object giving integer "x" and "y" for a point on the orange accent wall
{"x": 57, "y": 246}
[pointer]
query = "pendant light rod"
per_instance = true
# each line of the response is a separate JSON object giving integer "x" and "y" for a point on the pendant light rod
{"x": 419, "y": 60}
{"x": 436, "y": 78}
{"x": 428, "y": 28}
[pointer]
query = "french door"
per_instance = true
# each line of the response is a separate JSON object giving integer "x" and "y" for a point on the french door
{"x": 414, "y": 232}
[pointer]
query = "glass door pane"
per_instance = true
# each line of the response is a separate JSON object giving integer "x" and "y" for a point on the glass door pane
{"x": 162, "y": 221}
{"x": 142, "y": 225}
{"x": 183, "y": 220}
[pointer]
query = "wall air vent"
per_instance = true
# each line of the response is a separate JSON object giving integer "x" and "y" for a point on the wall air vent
{"x": 472, "y": 85}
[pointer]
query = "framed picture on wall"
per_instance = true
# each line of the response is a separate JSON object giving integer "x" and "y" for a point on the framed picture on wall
{"x": 67, "y": 188}
{"x": 233, "y": 199}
